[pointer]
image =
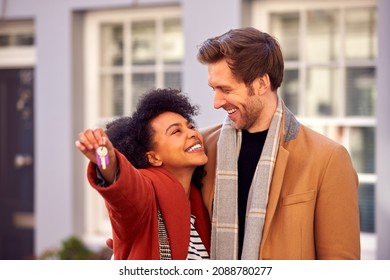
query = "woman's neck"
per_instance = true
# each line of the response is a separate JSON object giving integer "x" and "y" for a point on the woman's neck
{"x": 186, "y": 183}
{"x": 184, "y": 176}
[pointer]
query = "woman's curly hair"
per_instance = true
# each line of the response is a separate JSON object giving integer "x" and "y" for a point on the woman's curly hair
{"x": 133, "y": 135}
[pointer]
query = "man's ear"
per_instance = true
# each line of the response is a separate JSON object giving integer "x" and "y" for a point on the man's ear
{"x": 262, "y": 84}
{"x": 153, "y": 159}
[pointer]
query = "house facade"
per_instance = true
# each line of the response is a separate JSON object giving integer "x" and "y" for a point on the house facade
{"x": 69, "y": 65}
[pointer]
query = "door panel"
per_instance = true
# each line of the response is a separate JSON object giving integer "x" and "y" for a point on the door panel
{"x": 17, "y": 164}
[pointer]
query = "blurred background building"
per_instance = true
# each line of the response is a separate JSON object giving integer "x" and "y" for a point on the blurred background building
{"x": 69, "y": 65}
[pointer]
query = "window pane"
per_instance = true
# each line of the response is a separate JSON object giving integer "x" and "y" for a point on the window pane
{"x": 111, "y": 96}
{"x": 25, "y": 39}
{"x": 367, "y": 207}
{"x": 173, "y": 43}
{"x": 142, "y": 83}
{"x": 323, "y": 36}
{"x": 5, "y": 40}
{"x": 361, "y": 91}
{"x": 112, "y": 44}
{"x": 360, "y": 33}
{"x": 17, "y": 40}
{"x": 336, "y": 133}
{"x": 362, "y": 149}
{"x": 172, "y": 80}
{"x": 321, "y": 97}
{"x": 14, "y": 34}
{"x": 289, "y": 90}
{"x": 143, "y": 42}
{"x": 285, "y": 27}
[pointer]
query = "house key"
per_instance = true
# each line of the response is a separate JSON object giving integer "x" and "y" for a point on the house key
{"x": 102, "y": 157}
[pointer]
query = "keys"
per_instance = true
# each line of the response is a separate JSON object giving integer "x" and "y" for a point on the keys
{"x": 102, "y": 157}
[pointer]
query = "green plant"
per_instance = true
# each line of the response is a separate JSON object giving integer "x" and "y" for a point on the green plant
{"x": 74, "y": 249}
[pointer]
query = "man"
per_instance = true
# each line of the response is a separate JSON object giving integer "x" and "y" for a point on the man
{"x": 274, "y": 188}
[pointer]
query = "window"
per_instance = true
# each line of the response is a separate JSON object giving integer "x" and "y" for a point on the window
{"x": 16, "y": 34}
{"x": 330, "y": 49}
{"x": 17, "y": 42}
{"x": 128, "y": 52}
{"x": 136, "y": 55}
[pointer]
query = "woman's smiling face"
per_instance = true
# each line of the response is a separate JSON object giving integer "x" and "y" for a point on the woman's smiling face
{"x": 177, "y": 145}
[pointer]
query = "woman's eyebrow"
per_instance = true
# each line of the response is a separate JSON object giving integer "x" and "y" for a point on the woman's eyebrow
{"x": 175, "y": 124}
{"x": 170, "y": 126}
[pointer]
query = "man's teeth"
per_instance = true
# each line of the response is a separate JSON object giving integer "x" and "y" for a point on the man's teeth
{"x": 231, "y": 111}
{"x": 193, "y": 148}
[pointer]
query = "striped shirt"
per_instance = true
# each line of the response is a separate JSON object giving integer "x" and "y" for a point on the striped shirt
{"x": 196, "y": 249}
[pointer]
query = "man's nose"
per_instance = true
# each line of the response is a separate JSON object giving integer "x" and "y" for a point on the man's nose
{"x": 219, "y": 99}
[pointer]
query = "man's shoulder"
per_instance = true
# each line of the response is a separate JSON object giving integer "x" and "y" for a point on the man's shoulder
{"x": 211, "y": 131}
{"x": 318, "y": 138}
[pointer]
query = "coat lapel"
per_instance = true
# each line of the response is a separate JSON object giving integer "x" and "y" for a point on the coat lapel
{"x": 275, "y": 190}
{"x": 290, "y": 131}
{"x": 175, "y": 209}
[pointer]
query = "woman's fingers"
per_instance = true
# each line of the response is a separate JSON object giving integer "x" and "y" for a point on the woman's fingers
{"x": 91, "y": 139}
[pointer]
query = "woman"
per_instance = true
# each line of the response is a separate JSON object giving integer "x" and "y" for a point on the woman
{"x": 149, "y": 182}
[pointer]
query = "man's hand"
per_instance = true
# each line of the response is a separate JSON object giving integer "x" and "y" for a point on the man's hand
{"x": 110, "y": 243}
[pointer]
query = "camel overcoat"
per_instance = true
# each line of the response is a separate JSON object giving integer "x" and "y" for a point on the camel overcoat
{"x": 312, "y": 210}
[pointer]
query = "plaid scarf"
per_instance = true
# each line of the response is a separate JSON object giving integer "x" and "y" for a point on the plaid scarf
{"x": 224, "y": 234}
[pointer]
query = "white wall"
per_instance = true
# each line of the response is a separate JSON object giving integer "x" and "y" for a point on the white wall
{"x": 202, "y": 19}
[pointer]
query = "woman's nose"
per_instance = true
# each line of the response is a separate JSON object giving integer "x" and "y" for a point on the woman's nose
{"x": 192, "y": 133}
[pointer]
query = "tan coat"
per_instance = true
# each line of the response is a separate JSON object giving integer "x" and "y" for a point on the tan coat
{"x": 312, "y": 211}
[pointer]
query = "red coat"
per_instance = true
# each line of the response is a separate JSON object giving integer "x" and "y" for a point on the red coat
{"x": 132, "y": 206}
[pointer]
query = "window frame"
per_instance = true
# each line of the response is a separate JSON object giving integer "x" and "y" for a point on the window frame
{"x": 97, "y": 226}
{"x": 17, "y": 56}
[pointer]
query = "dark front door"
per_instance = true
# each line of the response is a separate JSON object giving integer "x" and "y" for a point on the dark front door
{"x": 17, "y": 164}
